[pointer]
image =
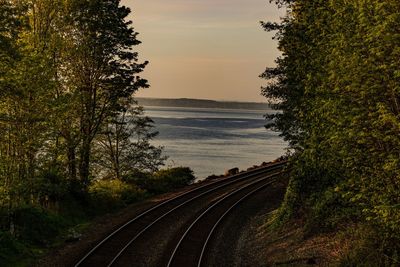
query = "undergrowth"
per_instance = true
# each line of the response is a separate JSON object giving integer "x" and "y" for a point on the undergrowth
{"x": 34, "y": 230}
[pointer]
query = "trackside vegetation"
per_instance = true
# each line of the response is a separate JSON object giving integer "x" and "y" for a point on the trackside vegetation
{"x": 74, "y": 143}
{"x": 337, "y": 84}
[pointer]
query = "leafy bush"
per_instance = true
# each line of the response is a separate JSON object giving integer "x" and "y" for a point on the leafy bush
{"x": 108, "y": 195}
{"x": 166, "y": 180}
{"x": 10, "y": 249}
{"x": 137, "y": 177}
{"x": 36, "y": 226}
{"x": 328, "y": 211}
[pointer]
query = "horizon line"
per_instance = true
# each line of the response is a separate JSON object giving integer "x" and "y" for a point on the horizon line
{"x": 202, "y": 99}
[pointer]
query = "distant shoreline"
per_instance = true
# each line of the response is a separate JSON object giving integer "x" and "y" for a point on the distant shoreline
{"x": 200, "y": 103}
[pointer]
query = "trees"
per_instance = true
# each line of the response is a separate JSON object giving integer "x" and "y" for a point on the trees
{"x": 26, "y": 85}
{"x": 124, "y": 145}
{"x": 68, "y": 72}
{"x": 103, "y": 67}
{"x": 338, "y": 87}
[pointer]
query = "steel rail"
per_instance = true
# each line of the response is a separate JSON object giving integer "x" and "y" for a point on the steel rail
{"x": 169, "y": 212}
{"x": 223, "y": 216}
{"x": 214, "y": 205}
{"x": 166, "y": 214}
{"x": 224, "y": 182}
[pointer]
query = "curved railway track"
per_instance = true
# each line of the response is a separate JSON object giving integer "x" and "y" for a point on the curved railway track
{"x": 191, "y": 247}
{"x": 112, "y": 249}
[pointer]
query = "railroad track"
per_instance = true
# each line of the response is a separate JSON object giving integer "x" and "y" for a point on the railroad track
{"x": 116, "y": 249}
{"x": 191, "y": 248}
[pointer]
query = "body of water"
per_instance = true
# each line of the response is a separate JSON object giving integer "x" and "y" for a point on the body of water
{"x": 211, "y": 141}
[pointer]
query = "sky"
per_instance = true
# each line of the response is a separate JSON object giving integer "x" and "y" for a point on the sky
{"x": 205, "y": 49}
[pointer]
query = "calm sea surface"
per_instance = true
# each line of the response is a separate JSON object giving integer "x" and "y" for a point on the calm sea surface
{"x": 211, "y": 141}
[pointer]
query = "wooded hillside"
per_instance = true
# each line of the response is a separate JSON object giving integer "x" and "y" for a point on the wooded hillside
{"x": 70, "y": 130}
{"x": 338, "y": 83}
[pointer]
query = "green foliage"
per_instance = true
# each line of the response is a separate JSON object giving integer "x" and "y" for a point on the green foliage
{"x": 109, "y": 195}
{"x": 165, "y": 180}
{"x": 68, "y": 72}
{"x": 37, "y": 226}
{"x": 51, "y": 186}
{"x": 337, "y": 86}
{"x": 328, "y": 212}
{"x": 11, "y": 250}
{"x": 102, "y": 70}
{"x": 135, "y": 176}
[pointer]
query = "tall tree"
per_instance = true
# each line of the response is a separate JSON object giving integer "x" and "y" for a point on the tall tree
{"x": 27, "y": 85}
{"x": 103, "y": 66}
{"x": 68, "y": 73}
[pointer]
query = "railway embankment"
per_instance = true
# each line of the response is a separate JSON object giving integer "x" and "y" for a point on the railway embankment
{"x": 196, "y": 199}
{"x": 221, "y": 221}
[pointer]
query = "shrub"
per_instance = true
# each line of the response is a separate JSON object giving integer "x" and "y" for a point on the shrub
{"x": 10, "y": 249}
{"x": 137, "y": 177}
{"x": 328, "y": 211}
{"x": 36, "y": 226}
{"x": 166, "y": 180}
{"x": 108, "y": 195}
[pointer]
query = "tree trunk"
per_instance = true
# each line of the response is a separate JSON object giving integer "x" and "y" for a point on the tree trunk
{"x": 71, "y": 162}
{"x": 85, "y": 161}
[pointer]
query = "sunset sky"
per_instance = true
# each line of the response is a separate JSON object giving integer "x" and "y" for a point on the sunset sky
{"x": 208, "y": 49}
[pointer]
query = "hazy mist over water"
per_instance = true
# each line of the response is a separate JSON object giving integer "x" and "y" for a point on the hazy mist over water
{"x": 211, "y": 141}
